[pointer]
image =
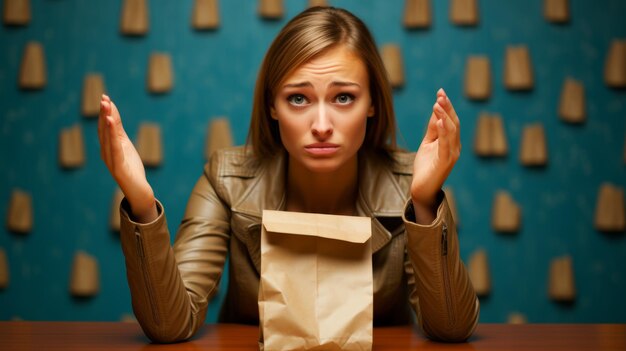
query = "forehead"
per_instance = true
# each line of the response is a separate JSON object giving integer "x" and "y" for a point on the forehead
{"x": 336, "y": 62}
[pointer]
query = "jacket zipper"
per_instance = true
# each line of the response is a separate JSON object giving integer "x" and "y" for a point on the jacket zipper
{"x": 446, "y": 275}
{"x": 146, "y": 278}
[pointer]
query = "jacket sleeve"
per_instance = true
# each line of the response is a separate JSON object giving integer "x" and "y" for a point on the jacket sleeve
{"x": 170, "y": 286}
{"x": 441, "y": 292}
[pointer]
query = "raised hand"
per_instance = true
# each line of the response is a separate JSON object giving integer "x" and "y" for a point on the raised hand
{"x": 124, "y": 163}
{"x": 435, "y": 158}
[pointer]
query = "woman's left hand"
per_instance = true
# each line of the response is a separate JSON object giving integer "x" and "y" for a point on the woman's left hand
{"x": 435, "y": 158}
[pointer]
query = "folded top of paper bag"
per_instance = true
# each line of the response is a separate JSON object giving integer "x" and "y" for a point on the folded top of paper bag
{"x": 346, "y": 228}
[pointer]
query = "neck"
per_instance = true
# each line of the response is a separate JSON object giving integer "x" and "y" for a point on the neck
{"x": 330, "y": 193}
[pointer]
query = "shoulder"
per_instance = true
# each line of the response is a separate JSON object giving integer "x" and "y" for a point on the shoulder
{"x": 385, "y": 180}
{"x": 236, "y": 161}
{"x": 245, "y": 181}
{"x": 230, "y": 171}
{"x": 399, "y": 162}
{"x": 402, "y": 162}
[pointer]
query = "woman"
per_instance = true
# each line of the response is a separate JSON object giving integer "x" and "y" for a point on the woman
{"x": 322, "y": 139}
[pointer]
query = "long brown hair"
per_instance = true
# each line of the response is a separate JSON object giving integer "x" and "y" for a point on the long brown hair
{"x": 308, "y": 34}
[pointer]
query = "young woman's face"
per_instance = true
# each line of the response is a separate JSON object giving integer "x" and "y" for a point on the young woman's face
{"x": 322, "y": 110}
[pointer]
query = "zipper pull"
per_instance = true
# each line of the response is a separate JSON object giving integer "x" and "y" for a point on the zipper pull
{"x": 444, "y": 240}
{"x": 139, "y": 243}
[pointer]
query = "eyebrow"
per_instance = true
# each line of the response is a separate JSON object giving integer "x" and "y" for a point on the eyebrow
{"x": 332, "y": 84}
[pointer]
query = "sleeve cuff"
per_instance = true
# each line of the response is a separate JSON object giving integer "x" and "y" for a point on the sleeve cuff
{"x": 125, "y": 214}
{"x": 409, "y": 213}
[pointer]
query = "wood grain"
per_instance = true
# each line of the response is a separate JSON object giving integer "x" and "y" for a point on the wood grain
{"x": 120, "y": 336}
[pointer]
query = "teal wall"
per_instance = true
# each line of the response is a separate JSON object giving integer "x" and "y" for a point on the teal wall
{"x": 214, "y": 76}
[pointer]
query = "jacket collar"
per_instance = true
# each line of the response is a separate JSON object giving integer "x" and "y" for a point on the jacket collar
{"x": 380, "y": 194}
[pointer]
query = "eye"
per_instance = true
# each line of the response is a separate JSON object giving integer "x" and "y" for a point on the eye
{"x": 344, "y": 99}
{"x": 297, "y": 99}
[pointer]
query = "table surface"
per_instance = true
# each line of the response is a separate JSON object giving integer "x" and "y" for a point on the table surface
{"x": 128, "y": 336}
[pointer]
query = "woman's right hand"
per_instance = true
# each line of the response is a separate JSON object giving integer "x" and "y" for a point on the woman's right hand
{"x": 124, "y": 164}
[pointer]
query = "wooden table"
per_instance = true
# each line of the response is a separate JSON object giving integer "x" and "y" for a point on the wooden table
{"x": 128, "y": 336}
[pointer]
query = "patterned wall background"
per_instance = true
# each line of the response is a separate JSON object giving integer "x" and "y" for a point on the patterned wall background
{"x": 214, "y": 74}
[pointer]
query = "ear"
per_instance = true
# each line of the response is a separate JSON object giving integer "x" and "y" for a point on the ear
{"x": 273, "y": 113}
{"x": 371, "y": 111}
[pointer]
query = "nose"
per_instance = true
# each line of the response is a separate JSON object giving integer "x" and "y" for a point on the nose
{"x": 322, "y": 127}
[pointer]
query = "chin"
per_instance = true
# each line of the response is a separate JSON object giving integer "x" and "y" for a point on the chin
{"x": 322, "y": 165}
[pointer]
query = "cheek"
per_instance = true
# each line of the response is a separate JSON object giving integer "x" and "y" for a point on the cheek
{"x": 291, "y": 131}
{"x": 355, "y": 126}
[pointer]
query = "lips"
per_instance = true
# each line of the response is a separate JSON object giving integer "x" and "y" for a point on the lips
{"x": 321, "y": 148}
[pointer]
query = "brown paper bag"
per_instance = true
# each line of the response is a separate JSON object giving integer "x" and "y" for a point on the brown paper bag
{"x": 316, "y": 282}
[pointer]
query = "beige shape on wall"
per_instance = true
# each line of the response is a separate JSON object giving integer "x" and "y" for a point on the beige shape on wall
{"x": 490, "y": 137}
{"x": 114, "y": 222}
{"x": 534, "y": 150}
{"x": 610, "y": 211}
{"x": 417, "y": 14}
{"x": 556, "y": 11}
{"x": 452, "y": 205}
{"x": 561, "y": 286}
{"x": 314, "y": 3}
{"x": 478, "y": 78}
{"x": 72, "y": 147}
{"x": 478, "y": 269}
{"x": 482, "y": 136}
{"x": 93, "y": 88}
{"x": 4, "y": 270}
{"x": 16, "y": 12}
{"x": 518, "y": 71}
{"x": 205, "y": 14}
{"x": 271, "y": 9}
{"x": 85, "y": 275}
{"x": 506, "y": 215}
{"x": 134, "y": 17}
{"x": 499, "y": 144}
{"x": 33, "y": 67}
{"x": 160, "y": 75}
{"x": 572, "y": 104}
{"x": 615, "y": 64}
{"x": 149, "y": 145}
{"x": 516, "y": 318}
{"x": 464, "y": 12}
{"x": 219, "y": 135}
{"x": 20, "y": 214}
{"x": 394, "y": 64}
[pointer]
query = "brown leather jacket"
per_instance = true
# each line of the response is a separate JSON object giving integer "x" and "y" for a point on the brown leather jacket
{"x": 412, "y": 264}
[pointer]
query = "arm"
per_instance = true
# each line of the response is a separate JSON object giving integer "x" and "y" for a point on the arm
{"x": 441, "y": 292}
{"x": 170, "y": 288}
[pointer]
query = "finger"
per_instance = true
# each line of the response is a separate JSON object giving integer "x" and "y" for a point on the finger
{"x": 117, "y": 119}
{"x": 443, "y": 140}
{"x": 115, "y": 147}
{"x": 105, "y": 151}
{"x": 431, "y": 130}
{"x": 447, "y": 105}
{"x": 101, "y": 119}
{"x": 103, "y": 130}
{"x": 447, "y": 133}
{"x": 443, "y": 102}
